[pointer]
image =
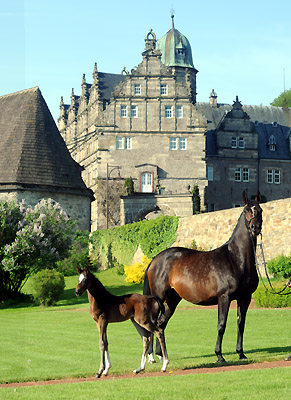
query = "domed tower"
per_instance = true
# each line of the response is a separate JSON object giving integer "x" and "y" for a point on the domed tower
{"x": 177, "y": 54}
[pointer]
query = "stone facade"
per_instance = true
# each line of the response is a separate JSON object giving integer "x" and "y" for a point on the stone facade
{"x": 77, "y": 207}
{"x": 150, "y": 128}
{"x": 147, "y": 125}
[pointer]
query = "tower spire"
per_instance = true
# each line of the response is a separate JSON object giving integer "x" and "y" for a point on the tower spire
{"x": 172, "y": 16}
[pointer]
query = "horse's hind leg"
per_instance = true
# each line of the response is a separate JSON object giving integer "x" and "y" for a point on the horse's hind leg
{"x": 223, "y": 308}
{"x": 242, "y": 308}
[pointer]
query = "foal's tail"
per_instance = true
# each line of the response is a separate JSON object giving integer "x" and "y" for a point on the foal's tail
{"x": 161, "y": 305}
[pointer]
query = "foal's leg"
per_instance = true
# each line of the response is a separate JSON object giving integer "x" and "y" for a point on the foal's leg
{"x": 103, "y": 345}
{"x": 146, "y": 338}
{"x": 242, "y": 308}
{"x": 223, "y": 308}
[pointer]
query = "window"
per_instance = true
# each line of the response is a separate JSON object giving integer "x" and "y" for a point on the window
{"x": 242, "y": 174}
{"x": 123, "y": 111}
{"x": 182, "y": 143}
{"x": 119, "y": 143}
{"x": 163, "y": 89}
{"x": 272, "y": 143}
{"x": 168, "y": 111}
{"x": 274, "y": 176}
{"x": 237, "y": 174}
{"x": 123, "y": 143}
{"x": 245, "y": 175}
{"x": 133, "y": 111}
{"x": 233, "y": 142}
{"x": 241, "y": 143}
{"x": 179, "y": 111}
{"x": 210, "y": 173}
{"x": 137, "y": 89}
{"x": 127, "y": 143}
{"x": 173, "y": 144}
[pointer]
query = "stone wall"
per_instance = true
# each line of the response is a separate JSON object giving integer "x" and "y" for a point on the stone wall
{"x": 213, "y": 229}
{"x": 135, "y": 208}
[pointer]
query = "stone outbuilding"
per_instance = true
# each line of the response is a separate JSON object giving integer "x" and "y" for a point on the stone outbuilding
{"x": 34, "y": 160}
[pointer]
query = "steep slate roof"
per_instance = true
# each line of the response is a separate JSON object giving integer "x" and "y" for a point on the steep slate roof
{"x": 32, "y": 151}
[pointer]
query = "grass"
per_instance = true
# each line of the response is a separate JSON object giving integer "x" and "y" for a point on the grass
{"x": 62, "y": 341}
{"x": 236, "y": 385}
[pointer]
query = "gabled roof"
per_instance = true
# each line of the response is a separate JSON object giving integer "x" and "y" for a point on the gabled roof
{"x": 32, "y": 151}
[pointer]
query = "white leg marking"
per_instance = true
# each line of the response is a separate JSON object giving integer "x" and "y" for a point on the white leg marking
{"x": 151, "y": 359}
{"x": 142, "y": 365}
{"x": 160, "y": 358}
{"x": 107, "y": 363}
{"x": 165, "y": 364}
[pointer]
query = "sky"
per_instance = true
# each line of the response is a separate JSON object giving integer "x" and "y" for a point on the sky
{"x": 240, "y": 48}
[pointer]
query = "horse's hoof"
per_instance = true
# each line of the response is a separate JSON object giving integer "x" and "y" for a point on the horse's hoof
{"x": 221, "y": 360}
{"x": 288, "y": 358}
{"x": 98, "y": 375}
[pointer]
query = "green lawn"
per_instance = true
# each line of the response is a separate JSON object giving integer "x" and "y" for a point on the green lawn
{"x": 62, "y": 341}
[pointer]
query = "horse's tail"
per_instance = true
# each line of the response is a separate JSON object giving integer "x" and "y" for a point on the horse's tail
{"x": 161, "y": 305}
{"x": 146, "y": 285}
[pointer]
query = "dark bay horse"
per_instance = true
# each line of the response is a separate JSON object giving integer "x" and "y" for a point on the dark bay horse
{"x": 106, "y": 307}
{"x": 211, "y": 277}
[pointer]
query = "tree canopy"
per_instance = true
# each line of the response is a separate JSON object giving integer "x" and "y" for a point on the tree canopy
{"x": 283, "y": 100}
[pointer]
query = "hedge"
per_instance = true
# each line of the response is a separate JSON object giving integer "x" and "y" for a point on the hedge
{"x": 118, "y": 245}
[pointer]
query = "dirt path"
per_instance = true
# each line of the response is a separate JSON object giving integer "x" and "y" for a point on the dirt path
{"x": 270, "y": 364}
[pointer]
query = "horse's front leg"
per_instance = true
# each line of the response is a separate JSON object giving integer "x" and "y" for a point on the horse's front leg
{"x": 242, "y": 308}
{"x": 103, "y": 346}
{"x": 223, "y": 308}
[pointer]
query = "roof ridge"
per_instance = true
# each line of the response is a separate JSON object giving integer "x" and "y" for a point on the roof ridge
{"x": 33, "y": 89}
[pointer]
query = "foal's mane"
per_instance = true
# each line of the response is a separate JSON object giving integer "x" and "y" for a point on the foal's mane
{"x": 98, "y": 288}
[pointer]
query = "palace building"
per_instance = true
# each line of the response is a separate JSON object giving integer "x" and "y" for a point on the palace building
{"x": 147, "y": 125}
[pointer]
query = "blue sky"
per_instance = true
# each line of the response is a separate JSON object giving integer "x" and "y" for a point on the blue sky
{"x": 239, "y": 47}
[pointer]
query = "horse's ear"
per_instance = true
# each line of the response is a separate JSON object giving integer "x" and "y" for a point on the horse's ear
{"x": 78, "y": 270}
{"x": 245, "y": 197}
{"x": 258, "y": 197}
{"x": 86, "y": 269}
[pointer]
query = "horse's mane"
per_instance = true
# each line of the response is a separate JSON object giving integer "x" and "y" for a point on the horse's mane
{"x": 101, "y": 289}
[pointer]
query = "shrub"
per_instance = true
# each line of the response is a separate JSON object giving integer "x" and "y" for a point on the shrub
{"x": 48, "y": 285}
{"x": 264, "y": 298}
{"x": 280, "y": 266}
{"x": 135, "y": 273}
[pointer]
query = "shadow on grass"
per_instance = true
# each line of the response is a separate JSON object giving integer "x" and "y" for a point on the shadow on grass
{"x": 270, "y": 350}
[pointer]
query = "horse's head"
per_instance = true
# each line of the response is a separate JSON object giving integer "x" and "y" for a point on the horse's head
{"x": 84, "y": 281}
{"x": 253, "y": 214}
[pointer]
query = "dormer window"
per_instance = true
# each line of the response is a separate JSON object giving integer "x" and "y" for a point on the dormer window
{"x": 272, "y": 143}
{"x": 275, "y": 124}
{"x": 237, "y": 143}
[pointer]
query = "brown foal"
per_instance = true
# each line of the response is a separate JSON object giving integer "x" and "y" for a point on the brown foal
{"x": 105, "y": 307}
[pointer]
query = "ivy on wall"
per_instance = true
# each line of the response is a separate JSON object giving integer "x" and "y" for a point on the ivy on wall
{"x": 118, "y": 245}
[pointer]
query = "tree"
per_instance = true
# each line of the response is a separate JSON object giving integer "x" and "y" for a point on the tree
{"x": 197, "y": 201}
{"x": 31, "y": 239}
{"x": 284, "y": 100}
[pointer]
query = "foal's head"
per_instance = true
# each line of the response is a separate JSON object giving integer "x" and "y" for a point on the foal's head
{"x": 253, "y": 214}
{"x": 84, "y": 281}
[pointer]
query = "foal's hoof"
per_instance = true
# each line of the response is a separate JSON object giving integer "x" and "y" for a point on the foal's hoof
{"x": 98, "y": 375}
{"x": 288, "y": 358}
{"x": 138, "y": 370}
